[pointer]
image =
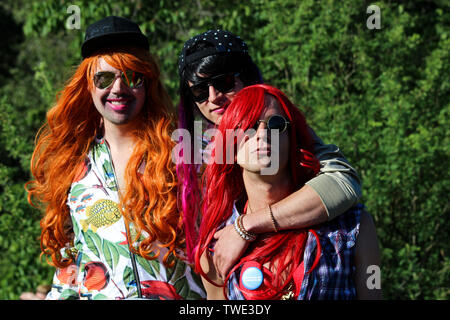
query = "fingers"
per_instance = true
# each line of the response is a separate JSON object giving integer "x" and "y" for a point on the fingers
{"x": 224, "y": 271}
{"x": 227, "y": 250}
{"x": 221, "y": 265}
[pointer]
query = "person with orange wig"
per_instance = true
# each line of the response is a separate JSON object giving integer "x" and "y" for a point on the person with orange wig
{"x": 104, "y": 177}
{"x": 272, "y": 149}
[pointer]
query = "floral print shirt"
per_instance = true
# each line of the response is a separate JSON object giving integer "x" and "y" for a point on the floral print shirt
{"x": 103, "y": 267}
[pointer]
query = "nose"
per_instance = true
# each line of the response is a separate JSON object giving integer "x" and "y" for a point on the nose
{"x": 118, "y": 85}
{"x": 213, "y": 93}
{"x": 261, "y": 131}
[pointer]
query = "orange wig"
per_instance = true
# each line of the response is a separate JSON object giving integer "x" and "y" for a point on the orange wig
{"x": 149, "y": 200}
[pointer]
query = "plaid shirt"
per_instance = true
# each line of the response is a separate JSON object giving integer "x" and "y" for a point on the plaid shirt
{"x": 332, "y": 279}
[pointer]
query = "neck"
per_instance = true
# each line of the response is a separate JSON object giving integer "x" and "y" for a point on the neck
{"x": 264, "y": 190}
{"x": 119, "y": 137}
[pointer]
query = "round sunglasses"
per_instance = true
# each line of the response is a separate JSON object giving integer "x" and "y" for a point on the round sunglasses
{"x": 222, "y": 82}
{"x": 274, "y": 122}
{"x": 104, "y": 79}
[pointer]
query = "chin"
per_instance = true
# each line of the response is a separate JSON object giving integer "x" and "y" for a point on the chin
{"x": 121, "y": 118}
{"x": 216, "y": 119}
{"x": 119, "y": 122}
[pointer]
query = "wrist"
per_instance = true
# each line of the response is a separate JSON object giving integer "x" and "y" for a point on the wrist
{"x": 256, "y": 221}
{"x": 242, "y": 231}
{"x": 248, "y": 223}
{"x": 262, "y": 221}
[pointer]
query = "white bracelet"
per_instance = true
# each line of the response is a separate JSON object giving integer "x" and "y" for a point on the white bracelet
{"x": 244, "y": 234}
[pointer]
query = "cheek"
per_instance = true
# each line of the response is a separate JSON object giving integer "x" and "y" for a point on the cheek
{"x": 240, "y": 156}
{"x": 203, "y": 109}
{"x": 230, "y": 96}
{"x": 97, "y": 98}
{"x": 244, "y": 157}
{"x": 242, "y": 152}
{"x": 140, "y": 100}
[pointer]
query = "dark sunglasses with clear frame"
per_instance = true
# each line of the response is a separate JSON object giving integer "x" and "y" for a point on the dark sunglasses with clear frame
{"x": 104, "y": 79}
{"x": 275, "y": 121}
{"x": 222, "y": 82}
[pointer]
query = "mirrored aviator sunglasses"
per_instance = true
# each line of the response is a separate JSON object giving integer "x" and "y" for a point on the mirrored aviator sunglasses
{"x": 222, "y": 82}
{"x": 104, "y": 79}
{"x": 275, "y": 122}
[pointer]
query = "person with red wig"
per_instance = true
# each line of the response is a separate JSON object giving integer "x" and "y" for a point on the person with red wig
{"x": 213, "y": 67}
{"x": 327, "y": 261}
{"x": 104, "y": 177}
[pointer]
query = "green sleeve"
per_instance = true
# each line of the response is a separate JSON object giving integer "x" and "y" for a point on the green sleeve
{"x": 338, "y": 184}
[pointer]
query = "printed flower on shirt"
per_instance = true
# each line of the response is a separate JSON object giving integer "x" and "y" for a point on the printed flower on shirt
{"x": 96, "y": 276}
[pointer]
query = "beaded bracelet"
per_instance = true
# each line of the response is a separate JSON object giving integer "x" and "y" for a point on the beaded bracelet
{"x": 239, "y": 227}
{"x": 274, "y": 223}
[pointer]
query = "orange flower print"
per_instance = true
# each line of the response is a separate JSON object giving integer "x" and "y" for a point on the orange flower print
{"x": 82, "y": 170}
{"x": 96, "y": 276}
{"x": 68, "y": 275}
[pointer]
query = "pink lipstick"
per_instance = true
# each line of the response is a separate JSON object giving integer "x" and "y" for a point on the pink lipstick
{"x": 118, "y": 104}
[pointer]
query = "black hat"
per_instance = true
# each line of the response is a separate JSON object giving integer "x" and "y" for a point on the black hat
{"x": 221, "y": 42}
{"x": 112, "y": 31}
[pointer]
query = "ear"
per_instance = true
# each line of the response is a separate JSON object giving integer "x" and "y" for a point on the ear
{"x": 101, "y": 125}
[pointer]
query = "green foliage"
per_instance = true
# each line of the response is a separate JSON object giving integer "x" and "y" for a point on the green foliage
{"x": 381, "y": 95}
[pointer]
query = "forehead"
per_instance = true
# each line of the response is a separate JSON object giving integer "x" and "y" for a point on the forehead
{"x": 271, "y": 106}
{"x": 102, "y": 65}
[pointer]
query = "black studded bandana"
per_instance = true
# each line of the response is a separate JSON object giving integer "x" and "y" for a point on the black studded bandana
{"x": 223, "y": 42}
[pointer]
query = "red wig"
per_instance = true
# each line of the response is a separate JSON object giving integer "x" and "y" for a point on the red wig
{"x": 64, "y": 140}
{"x": 283, "y": 250}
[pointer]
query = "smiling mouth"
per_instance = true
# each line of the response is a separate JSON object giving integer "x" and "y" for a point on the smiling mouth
{"x": 118, "y": 104}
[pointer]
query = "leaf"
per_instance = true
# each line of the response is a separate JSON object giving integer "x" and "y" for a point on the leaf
{"x": 155, "y": 264}
{"x": 114, "y": 253}
{"x": 182, "y": 286}
{"x": 100, "y": 297}
{"x": 107, "y": 254}
{"x": 77, "y": 190}
{"x": 76, "y": 229}
{"x": 145, "y": 264}
{"x": 192, "y": 295}
{"x": 176, "y": 272}
{"x": 108, "y": 168}
{"x": 122, "y": 251}
{"x": 69, "y": 294}
{"x": 95, "y": 237}
{"x": 128, "y": 276}
{"x": 90, "y": 243}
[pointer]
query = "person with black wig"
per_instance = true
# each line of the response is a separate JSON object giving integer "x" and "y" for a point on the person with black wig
{"x": 213, "y": 67}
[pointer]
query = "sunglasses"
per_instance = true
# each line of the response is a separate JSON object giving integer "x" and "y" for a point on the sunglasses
{"x": 104, "y": 79}
{"x": 222, "y": 82}
{"x": 274, "y": 122}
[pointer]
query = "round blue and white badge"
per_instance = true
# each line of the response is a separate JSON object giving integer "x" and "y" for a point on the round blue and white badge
{"x": 252, "y": 278}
